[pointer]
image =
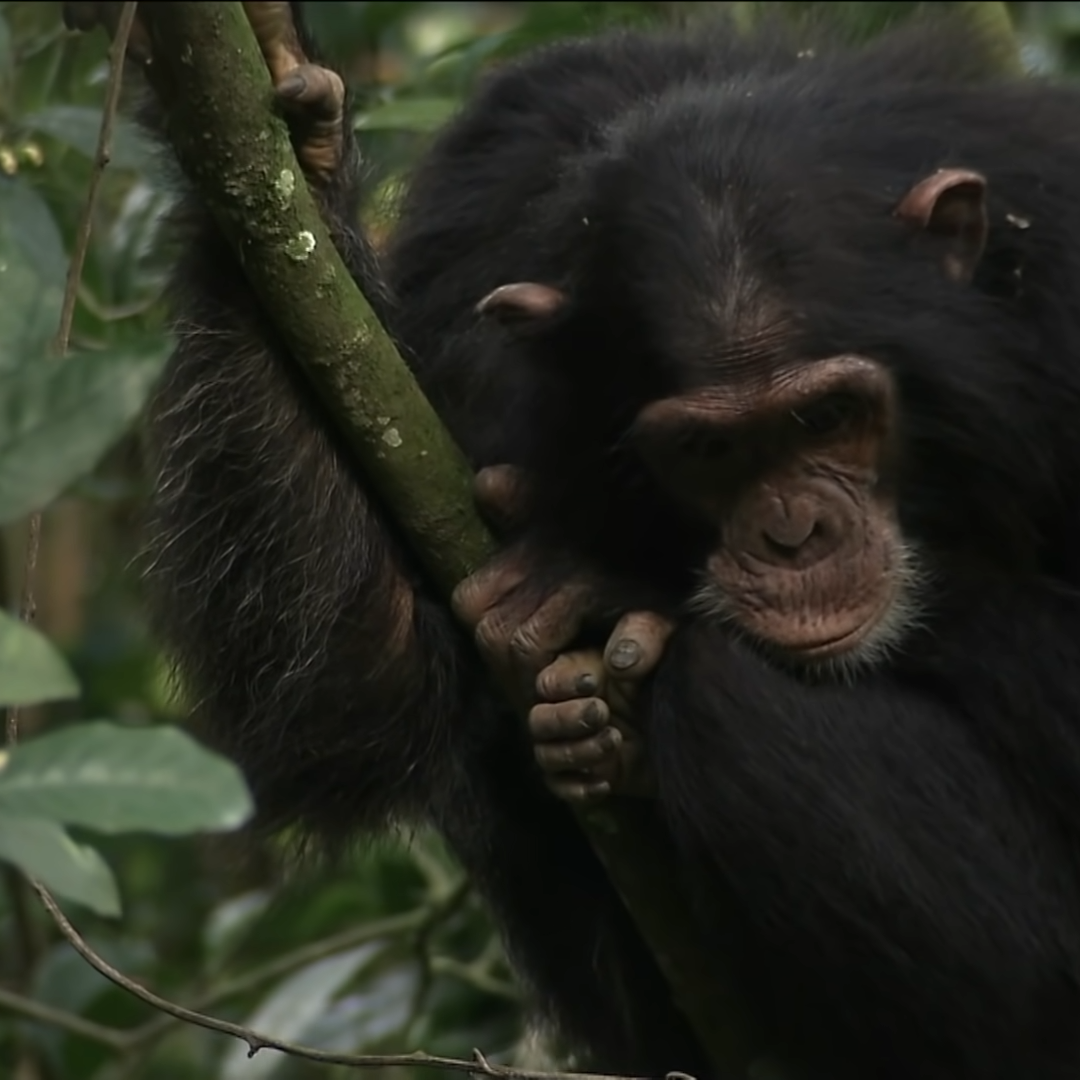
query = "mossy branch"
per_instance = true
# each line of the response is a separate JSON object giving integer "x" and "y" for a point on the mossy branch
{"x": 217, "y": 95}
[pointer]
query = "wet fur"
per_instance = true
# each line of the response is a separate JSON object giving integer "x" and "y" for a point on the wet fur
{"x": 895, "y": 853}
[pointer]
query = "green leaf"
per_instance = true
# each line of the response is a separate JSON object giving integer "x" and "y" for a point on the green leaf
{"x": 114, "y": 779}
{"x": 78, "y": 126}
{"x": 297, "y": 1003}
{"x": 409, "y": 114}
{"x": 42, "y": 850}
{"x": 5, "y": 48}
{"x": 31, "y": 669}
{"x": 58, "y": 417}
{"x": 28, "y": 222}
{"x": 30, "y": 310}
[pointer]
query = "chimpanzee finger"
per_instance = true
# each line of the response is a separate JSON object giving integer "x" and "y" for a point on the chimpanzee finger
{"x": 636, "y": 645}
{"x": 572, "y": 675}
{"x": 314, "y": 99}
{"x": 501, "y": 493}
{"x": 480, "y": 593}
{"x": 578, "y": 790}
{"x": 597, "y": 757}
{"x": 551, "y": 628}
{"x": 566, "y": 720}
{"x": 274, "y": 29}
{"x": 316, "y": 92}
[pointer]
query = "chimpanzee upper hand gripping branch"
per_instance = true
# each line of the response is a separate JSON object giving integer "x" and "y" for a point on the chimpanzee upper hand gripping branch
{"x": 784, "y": 334}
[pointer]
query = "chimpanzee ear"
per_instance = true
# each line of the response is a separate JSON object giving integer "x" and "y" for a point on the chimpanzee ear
{"x": 951, "y": 204}
{"x": 522, "y": 302}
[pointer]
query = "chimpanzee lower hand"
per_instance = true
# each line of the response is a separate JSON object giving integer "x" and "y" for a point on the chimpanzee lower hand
{"x": 584, "y": 733}
{"x": 311, "y": 97}
{"x": 524, "y": 622}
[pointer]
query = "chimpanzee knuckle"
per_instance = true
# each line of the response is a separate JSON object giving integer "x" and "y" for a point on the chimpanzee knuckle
{"x": 543, "y": 723}
{"x": 556, "y": 757}
{"x": 317, "y": 91}
{"x": 463, "y": 603}
{"x": 548, "y": 683}
{"x": 553, "y": 627}
{"x": 473, "y": 598}
{"x": 599, "y": 749}
{"x": 494, "y": 584}
{"x": 570, "y": 676}
{"x": 579, "y": 792}
{"x": 500, "y": 491}
{"x": 589, "y": 714}
{"x": 492, "y": 637}
{"x": 576, "y": 719}
{"x": 609, "y": 742}
{"x": 526, "y": 645}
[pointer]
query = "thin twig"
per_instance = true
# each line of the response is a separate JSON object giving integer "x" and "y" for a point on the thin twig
{"x": 64, "y": 1021}
{"x": 475, "y": 976}
{"x": 415, "y": 921}
{"x": 102, "y": 157}
{"x": 257, "y": 1041}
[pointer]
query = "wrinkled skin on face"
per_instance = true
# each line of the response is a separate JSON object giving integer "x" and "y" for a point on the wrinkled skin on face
{"x": 808, "y": 560}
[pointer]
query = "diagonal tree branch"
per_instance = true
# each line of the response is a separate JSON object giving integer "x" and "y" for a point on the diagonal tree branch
{"x": 214, "y": 80}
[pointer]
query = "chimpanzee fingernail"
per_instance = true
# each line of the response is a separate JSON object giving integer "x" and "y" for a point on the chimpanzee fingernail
{"x": 586, "y": 684}
{"x": 625, "y": 655}
{"x": 292, "y": 86}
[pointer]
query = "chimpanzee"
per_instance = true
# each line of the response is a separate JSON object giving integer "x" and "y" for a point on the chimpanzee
{"x": 782, "y": 335}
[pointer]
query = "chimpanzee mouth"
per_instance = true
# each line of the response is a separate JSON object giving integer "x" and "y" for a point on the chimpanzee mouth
{"x": 860, "y": 643}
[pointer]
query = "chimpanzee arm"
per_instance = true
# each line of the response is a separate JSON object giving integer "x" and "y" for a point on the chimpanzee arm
{"x": 313, "y": 660}
{"x": 299, "y": 632}
{"x": 900, "y": 907}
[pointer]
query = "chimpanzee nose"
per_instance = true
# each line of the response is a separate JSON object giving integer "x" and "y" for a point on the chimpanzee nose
{"x": 796, "y": 529}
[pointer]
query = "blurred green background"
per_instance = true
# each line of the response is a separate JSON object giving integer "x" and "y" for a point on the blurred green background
{"x": 389, "y": 950}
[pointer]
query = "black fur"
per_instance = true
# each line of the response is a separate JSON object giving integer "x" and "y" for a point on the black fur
{"x": 898, "y": 859}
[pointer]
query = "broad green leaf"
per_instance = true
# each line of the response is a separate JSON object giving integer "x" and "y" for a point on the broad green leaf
{"x": 377, "y": 1010}
{"x": 58, "y": 417}
{"x": 28, "y": 222}
{"x": 409, "y": 114}
{"x": 296, "y": 1003}
{"x": 114, "y": 779}
{"x": 78, "y": 126}
{"x": 29, "y": 310}
{"x": 31, "y": 669}
{"x": 44, "y": 851}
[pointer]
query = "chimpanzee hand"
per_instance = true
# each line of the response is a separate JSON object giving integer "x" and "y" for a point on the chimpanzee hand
{"x": 311, "y": 97}
{"x": 583, "y": 729}
{"x": 524, "y": 621}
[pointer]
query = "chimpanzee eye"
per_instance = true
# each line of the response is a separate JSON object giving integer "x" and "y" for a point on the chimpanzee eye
{"x": 829, "y": 413}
